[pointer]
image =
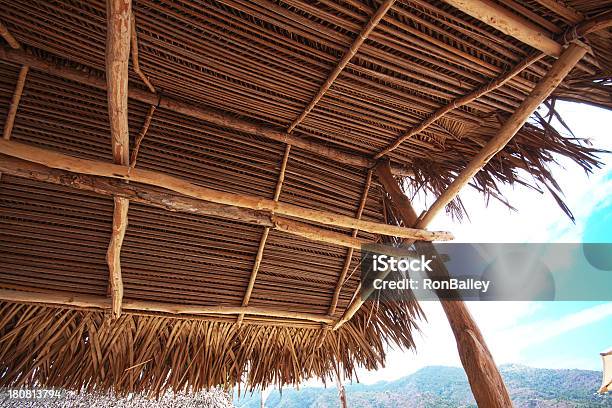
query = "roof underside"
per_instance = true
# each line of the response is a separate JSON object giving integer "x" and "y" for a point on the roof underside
{"x": 262, "y": 61}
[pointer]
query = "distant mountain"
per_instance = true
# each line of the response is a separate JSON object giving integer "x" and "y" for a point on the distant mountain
{"x": 442, "y": 387}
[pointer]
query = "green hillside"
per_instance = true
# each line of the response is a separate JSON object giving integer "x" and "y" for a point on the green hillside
{"x": 441, "y": 387}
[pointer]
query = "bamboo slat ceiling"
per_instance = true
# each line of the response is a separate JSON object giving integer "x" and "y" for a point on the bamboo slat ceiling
{"x": 264, "y": 62}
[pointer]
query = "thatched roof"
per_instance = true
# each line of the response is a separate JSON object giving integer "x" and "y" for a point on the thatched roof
{"x": 217, "y": 86}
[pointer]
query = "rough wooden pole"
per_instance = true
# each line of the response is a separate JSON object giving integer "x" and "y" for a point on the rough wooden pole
{"x": 456, "y": 103}
{"x": 542, "y": 90}
{"x": 349, "y": 254}
{"x": 118, "y": 14}
{"x": 114, "y": 251}
{"x": 12, "y": 113}
{"x": 104, "y": 303}
{"x": 118, "y": 29}
{"x": 484, "y": 378}
{"x": 264, "y": 235}
{"x": 135, "y": 60}
{"x": 216, "y": 117}
{"x": 6, "y": 34}
{"x": 174, "y": 202}
{"x": 558, "y": 71}
{"x": 361, "y": 37}
{"x": 509, "y": 23}
{"x": 61, "y": 161}
{"x": 341, "y": 390}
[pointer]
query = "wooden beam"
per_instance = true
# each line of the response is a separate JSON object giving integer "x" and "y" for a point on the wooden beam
{"x": 113, "y": 253}
{"x": 361, "y": 37}
{"x": 61, "y": 161}
{"x": 135, "y": 60}
{"x": 12, "y": 113}
{"x": 349, "y": 254}
{"x": 173, "y": 202}
{"x": 509, "y": 23}
{"x": 464, "y": 100}
{"x": 141, "y": 136}
{"x": 118, "y": 28}
{"x": 6, "y": 34}
{"x": 487, "y": 385}
{"x": 103, "y": 303}
{"x": 543, "y": 89}
{"x": 591, "y": 25}
{"x": 567, "y": 13}
{"x": 264, "y": 235}
{"x": 209, "y": 115}
{"x": 118, "y": 14}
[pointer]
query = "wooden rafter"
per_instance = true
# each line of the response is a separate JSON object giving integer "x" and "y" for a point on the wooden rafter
{"x": 135, "y": 60}
{"x": 509, "y": 23}
{"x": 173, "y": 202}
{"x": 264, "y": 235}
{"x": 543, "y": 89}
{"x": 118, "y": 17}
{"x": 100, "y": 302}
{"x": 348, "y": 55}
{"x": 562, "y": 10}
{"x": 559, "y": 70}
{"x": 141, "y": 136}
{"x": 10, "y": 39}
{"x": 349, "y": 254}
{"x": 12, "y": 113}
{"x": 61, "y": 161}
{"x": 456, "y": 103}
{"x": 197, "y": 111}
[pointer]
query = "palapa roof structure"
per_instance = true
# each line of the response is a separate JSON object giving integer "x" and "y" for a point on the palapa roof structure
{"x": 248, "y": 132}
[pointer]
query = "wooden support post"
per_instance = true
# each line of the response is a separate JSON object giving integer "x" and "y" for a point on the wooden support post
{"x": 118, "y": 29}
{"x": 61, "y": 161}
{"x": 198, "y": 111}
{"x": 140, "y": 306}
{"x": 12, "y": 113}
{"x": 264, "y": 235}
{"x": 141, "y": 136}
{"x": 486, "y": 383}
{"x": 135, "y": 60}
{"x": 114, "y": 251}
{"x": 570, "y": 57}
{"x": 346, "y": 58}
{"x": 118, "y": 14}
{"x": 341, "y": 389}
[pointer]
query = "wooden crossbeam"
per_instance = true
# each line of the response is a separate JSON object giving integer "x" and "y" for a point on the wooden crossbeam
{"x": 10, "y": 39}
{"x": 118, "y": 29}
{"x": 12, "y": 113}
{"x": 361, "y": 37}
{"x": 264, "y": 235}
{"x": 349, "y": 253}
{"x": 543, "y": 89}
{"x": 135, "y": 60}
{"x": 509, "y": 23}
{"x": 61, "y": 161}
{"x": 562, "y": 10}
{"x": 559, "y": 70}
{"x": 171, "y": 201}
{"x": 209, "y": 115}
{"x": 104, "y": 303}
{"x": 462, "y": 101}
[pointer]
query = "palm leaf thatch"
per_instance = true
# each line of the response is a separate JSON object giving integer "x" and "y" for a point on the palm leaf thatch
{"x": 291, "y": 101}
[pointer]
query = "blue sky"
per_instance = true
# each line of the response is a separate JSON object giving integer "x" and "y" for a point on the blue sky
{"x": 539, "y": 334}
